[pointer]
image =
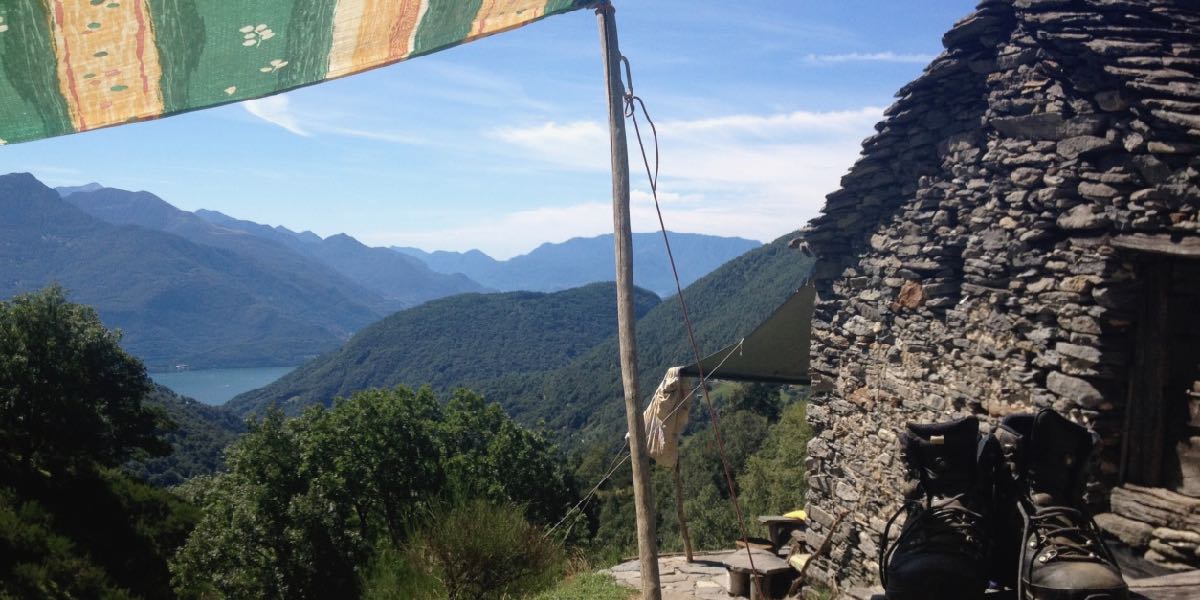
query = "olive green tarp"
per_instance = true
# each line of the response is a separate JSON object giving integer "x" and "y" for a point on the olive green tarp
{"x": 775, "y": 352}
{"x": 75, "y": 65}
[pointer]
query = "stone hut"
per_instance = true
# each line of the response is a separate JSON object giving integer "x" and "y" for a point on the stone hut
{"x": 1021, "y": 232}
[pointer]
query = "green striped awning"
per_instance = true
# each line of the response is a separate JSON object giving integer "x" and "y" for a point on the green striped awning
{"x": 77, "y": 65}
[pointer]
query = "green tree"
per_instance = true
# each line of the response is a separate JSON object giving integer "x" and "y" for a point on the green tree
{"x": 71, "y": 409}
{"x": 306, "y": 504}
{"x": 774, "y": 481}
{"x": 488, "y": 455}
{"x": 69, "y": 395}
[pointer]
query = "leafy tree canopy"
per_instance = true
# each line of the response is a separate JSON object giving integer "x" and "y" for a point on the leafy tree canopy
{"x": 69, "y": 394}
{"x": 307, "y": 502}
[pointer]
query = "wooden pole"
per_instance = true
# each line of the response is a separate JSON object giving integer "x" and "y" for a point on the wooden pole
{"x": 683, "y": 530}
{"x": 643, "y": 495}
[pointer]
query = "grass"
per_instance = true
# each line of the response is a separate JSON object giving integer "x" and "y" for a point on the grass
{"x": 587, "y": 586}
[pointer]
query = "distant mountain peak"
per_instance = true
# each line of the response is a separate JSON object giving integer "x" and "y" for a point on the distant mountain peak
{"x": 67, "y": 190}
{"x": 579, "y": 260}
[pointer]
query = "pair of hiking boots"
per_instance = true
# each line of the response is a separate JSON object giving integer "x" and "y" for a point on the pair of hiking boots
{"x": 1004, "y": 509}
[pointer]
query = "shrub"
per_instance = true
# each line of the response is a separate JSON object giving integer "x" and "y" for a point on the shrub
{"x": 476, "y": 549}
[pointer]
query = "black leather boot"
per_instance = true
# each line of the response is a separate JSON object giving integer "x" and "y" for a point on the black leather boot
{"x": 1058, "y": 554}
{"x": 942, "y": 551}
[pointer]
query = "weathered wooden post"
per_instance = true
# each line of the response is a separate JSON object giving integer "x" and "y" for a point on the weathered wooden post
{"x": 622, "y": 241}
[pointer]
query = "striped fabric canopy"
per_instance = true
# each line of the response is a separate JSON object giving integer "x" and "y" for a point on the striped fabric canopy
{"x": 76, "y": 65}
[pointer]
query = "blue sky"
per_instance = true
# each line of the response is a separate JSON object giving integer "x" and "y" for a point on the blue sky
{"x": 502, "y": 144}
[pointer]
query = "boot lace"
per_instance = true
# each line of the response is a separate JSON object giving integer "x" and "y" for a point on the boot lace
{"x": 945, "y": 524}
{"x": 1059, "y": 533}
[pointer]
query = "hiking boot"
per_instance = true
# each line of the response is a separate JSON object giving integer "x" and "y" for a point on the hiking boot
{"x": 1053, "y": 548}
{"x": 942, "y": 550}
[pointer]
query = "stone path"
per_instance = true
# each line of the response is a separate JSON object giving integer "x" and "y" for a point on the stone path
{"x": 702, "y": 579}
{"x": 706, "y": 579}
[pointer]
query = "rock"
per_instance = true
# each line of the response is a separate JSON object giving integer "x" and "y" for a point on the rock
{"x": 1026, "y": 176}
{"x": 1107, "y": 47}
{"x": 1111, "y": 101}
{"x": 1172, "y": 553}
{"x": 1074, "y": 389}
{"x": 911, "y": 295}
{"x": 1154, "y": 505}
{"x": 1081, "y": 145}
{"x": 1078, "y": 284}
{"x": 1043, "y": 126}
{"x": 1097, "y": 191}
{"x": 1153, "y": 170}
{"x": 846, "y": 492}
{"x": 1133, "y": 533}
{"x": 1172, "y": 148}
{"x": 1087, "y": 354}
{"x": 1041, "y": 285}
{"x": 1082, "y": 218}
{"x": 1175, "y": 536}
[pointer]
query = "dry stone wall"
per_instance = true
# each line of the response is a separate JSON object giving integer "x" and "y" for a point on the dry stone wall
{"x": 967, "y": 265}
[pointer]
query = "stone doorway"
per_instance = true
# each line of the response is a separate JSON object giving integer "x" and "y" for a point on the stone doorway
{"x": 1162, "y": 445}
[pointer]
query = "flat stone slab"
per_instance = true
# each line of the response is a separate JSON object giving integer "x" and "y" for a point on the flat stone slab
{"x": 705, "y": 578}
{"x": 1177, "y": 586}
{"x": 766, "y": 563}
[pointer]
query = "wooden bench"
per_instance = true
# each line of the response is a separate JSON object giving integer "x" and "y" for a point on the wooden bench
{"x": 780, "y": 528}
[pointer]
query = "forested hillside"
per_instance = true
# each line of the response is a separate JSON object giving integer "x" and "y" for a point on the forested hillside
{"x": 379, "y": 496}
{"x": 454, "y": 342}
{"x": 176, "y": 301}
{"x": 198, "y": 439}
{"x": 585, "y": 397}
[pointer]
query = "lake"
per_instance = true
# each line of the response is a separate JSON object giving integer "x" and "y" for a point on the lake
{"x": 218, "y": 386}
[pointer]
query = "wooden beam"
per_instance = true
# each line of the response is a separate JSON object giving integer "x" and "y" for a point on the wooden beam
{"x": 643, "y": 495}
{"x": 683, "y": 528}
{"x": 1144, "y": 443}
{"x": 1182, "y": 246}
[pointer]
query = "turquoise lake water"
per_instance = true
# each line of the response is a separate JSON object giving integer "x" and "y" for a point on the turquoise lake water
{"x": 218, "y": 386}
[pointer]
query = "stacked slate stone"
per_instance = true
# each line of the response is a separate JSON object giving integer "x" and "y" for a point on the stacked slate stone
{"x": 966, "y": 265}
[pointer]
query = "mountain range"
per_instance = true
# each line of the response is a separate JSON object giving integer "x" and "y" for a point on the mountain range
{"x": 175, "y": 300}
{"x": 400, "y": 278}
{"x": 206, "y": 289}
{"x": 395, "y": 281}
{"x": 548, "y": 358}
{"x": 578, "y": 261}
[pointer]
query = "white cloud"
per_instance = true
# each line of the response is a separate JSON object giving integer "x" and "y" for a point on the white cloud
{"x": 279, "y": 111}
{"x": 798, "y": 122}
{"x": 887, "y": 57}
{"x": 750, "y": 175}
{"x": 576, "y": 145}
{"x": 380, "y": 136}
{"x": 274, "y": 110}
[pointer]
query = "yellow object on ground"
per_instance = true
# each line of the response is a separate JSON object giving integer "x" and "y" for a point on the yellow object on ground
{"x": 797, "y": 514}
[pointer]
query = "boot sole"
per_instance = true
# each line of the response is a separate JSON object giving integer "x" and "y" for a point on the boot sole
{"x": 1048, "y": 594}
{"x": 932, "y": 593}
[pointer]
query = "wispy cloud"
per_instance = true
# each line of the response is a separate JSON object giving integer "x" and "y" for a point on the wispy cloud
{"x": 885, "y": 57}
{"x": 278, "y": 110}
{"x": 275, "y": 110}
{"x": 697, "y": 149}
{"x": 749, "y": 175}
